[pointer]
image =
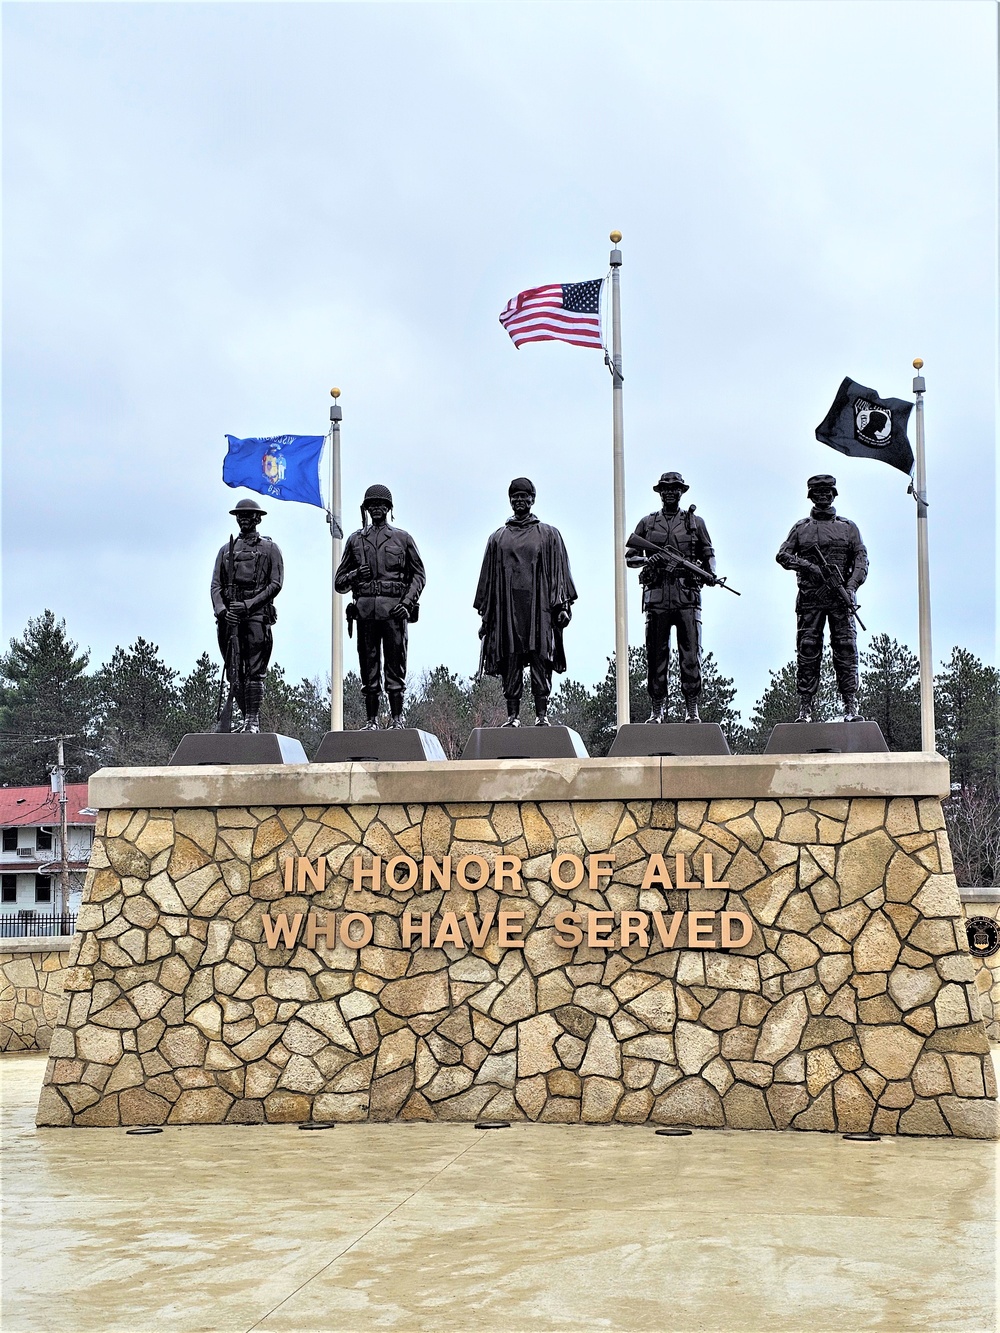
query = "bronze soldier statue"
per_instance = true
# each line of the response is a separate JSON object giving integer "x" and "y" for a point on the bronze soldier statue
{"x": 830, "y": 563}
{"x": 248, "y": 576}
{"x": 524, "y": 597}
{"x": 671, "y": 594}
{"x": 383, "y": 569}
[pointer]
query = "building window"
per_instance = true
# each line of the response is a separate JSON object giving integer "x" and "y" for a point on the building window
{"x": 8, "y": 893}
{"x": 43, "y": 840}
{"x": 43, "y": 889}
{"x": 10, "y": 839}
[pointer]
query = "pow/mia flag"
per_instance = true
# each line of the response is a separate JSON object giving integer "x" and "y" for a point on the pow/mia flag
{"x": 863, "y": 425}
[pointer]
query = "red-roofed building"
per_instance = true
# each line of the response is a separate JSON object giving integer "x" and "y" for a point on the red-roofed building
{"x": 31, "y": 853}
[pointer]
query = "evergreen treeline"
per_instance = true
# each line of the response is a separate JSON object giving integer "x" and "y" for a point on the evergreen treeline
{"x": 134, "y": 709}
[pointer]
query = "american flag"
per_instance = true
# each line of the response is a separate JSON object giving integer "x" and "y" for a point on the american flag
{"x": 568, "y": 312}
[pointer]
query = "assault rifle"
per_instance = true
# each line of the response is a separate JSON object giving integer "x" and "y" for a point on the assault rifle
{"x": 835, "y": 579}
{"x": 637, "y": 543}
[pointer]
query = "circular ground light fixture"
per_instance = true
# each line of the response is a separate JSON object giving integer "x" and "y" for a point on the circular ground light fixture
{"x": 145, "y": 1129}
{"x": 674, "y": 1132}
{"x": 492, "y": 1124}
{"x": 318, "y": 1124}
{"x": 867, "y": 1137}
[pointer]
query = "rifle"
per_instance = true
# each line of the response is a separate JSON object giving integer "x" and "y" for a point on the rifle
{"x": 836, "y": 578}
{"x": 231, "y": 664}
{"x": 637, "y": 543}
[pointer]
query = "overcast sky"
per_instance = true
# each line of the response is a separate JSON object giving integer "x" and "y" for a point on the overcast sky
{"x": 214, "y": 212}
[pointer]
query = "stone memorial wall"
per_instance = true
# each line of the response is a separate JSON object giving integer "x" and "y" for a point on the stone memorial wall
{"x": 31, "y": 988}
{"x": 241, "y": 957}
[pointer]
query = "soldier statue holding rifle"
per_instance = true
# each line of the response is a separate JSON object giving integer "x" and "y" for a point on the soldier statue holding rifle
{"x": 248, "y": 575}
{"x": 831, "y": 563}
{"x": 673, "y": 552}
{"x": 382, "y": 568}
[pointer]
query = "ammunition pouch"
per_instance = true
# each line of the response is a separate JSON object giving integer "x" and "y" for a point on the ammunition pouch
{"x": 381, "y": 588}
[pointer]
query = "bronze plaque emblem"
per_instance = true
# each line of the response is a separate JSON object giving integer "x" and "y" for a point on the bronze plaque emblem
{"x": 984, "y": 936}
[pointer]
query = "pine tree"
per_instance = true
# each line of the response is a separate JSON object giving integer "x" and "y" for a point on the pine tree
{"x": 197, "y": 699}
{"x": 354, "y": 702}
{"x": 301, "y": 711}
{"x": 441, "y": 704}
{"x": 44, "y": 691}
{"x": 890, "y": 691}
{"x": 967, "y": 711}
{"x": 780, "y": 703}
{"x": 138, "y": 702}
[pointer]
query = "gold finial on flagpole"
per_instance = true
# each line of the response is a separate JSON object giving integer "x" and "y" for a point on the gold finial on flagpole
{"x": 334, "y": 393}
{"x": 918, "y": 363}
{"x": 615, "y": 237}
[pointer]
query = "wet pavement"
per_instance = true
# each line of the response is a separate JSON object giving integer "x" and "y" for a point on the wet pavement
{"x": 446, "y": 1227}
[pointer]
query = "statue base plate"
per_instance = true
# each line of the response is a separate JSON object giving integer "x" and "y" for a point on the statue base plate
{"x": 388, "y": 746}
{"x": 826, "y": 738}
{"x": 668, "y": 739}
{"x": 525, "y": 743}
{"x": 237, "y": 747}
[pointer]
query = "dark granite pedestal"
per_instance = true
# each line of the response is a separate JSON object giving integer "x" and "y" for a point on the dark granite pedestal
{"x": 826, "y": 738}
{"x": 669, "y": 738}
{"x": 238, "y": 747}
{"x": 525, "y": 743}
{"x": 388, "y": 746}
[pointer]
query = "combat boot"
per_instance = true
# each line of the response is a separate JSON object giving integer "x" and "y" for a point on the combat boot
{"x": 396, "y": 722}
{"x": 657, "y": 709}
{"x": 254, "y": 698}
{"x": 371, "y": 712}
{"x": 805, "y": 708}
{"x": 513, "y": 717}
{"x": 691, "y": 708}
{"x": 542, "y": 718}
{"x": 851, "y": 713}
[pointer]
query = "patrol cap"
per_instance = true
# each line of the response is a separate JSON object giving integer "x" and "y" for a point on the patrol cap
{"x": 821, "y": 479}
{"x": 671, "y": 479}
{"x": 380, "y": 494}
{"x": 521, "y": 484}
{"x": 247, "y": 507}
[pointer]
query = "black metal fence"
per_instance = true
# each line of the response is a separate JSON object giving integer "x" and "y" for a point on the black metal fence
{"x": 30, "y": 924}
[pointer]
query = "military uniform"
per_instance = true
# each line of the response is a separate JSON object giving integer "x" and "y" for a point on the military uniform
{"x": 397, "y": 578}
{"x": 248, "y": 570}
{"x": 671, "y": 596}
{"x": 818, "y": 602}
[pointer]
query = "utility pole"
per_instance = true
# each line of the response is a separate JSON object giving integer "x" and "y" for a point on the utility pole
{"x": 63, "y": 829}
{"x": 60, "y": 775}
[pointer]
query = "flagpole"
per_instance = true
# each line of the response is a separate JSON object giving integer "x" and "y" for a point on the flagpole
{"x": 927, "y": 728}
{"x": 336, "y": 534}
{"x": 621, "y": 587}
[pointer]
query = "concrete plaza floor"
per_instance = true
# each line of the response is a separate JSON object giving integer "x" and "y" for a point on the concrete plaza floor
{"x": 228, "y": 1230}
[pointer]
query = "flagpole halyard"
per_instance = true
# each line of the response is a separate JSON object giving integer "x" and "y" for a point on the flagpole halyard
{"x": 336, "y": 535}
{"x": 928, "y": 740}
{"x": 621, "y": 587}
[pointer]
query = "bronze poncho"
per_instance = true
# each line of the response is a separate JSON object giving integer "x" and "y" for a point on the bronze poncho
{"x": 525, "y": 578}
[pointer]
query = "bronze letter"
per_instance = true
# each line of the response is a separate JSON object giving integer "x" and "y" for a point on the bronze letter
{"x": 568, "y": 932}
{"x": 507, "y": 921}
{"x": 423, "y": 929}
{"x": 596, "y": 922}
{"x": 727, "y": 939}
{"x": 374, "y": 874}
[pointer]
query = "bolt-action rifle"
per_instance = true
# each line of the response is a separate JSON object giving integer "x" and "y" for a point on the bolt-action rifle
{"x": 835, "y": 579}
{"x": 231, "y": 667}
{"x": 637, "y": 543}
